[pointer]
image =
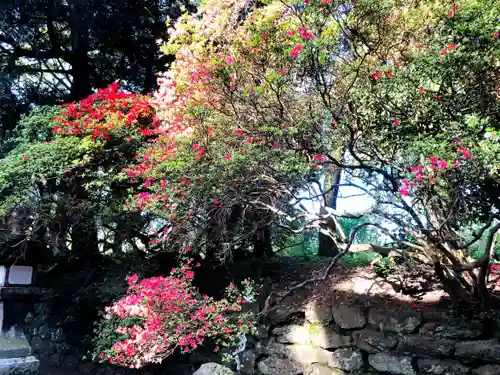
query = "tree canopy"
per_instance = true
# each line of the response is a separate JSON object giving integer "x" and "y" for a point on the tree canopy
{"x": 397, "y": 99}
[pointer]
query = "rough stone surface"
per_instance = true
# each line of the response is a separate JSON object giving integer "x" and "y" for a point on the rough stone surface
{"x": 374, "y": 341}
{"x": 487, "y": 370}
{"x": 346, "y": 359}
{"x": 19, "y": 366}
{"x": 391, "y": 364}
{"x": 326, "y": 338}
{"x": 349, "y": 317}
{"x": 293, "y": 334}
{"x": 14, "y": 347}
{"x": 86, "y": 368}
{"x": 426, "y": 346}
{"x": 277, "y": 366}
{"x": 71, "y": 362}
{"x": 395, "y": 321}
{"x": 282, "y": 314}
{"x": 319, "y": 314}
{"x": 481, "y": 350}
{"x": 57, "y": 335}
{"x": 44, "y": 332}
{"x": 459, "y": 329}
{"x": 317, "y": 369}
{"x": 213, "y": 369}
{"x": 247, "y": 362}
{"x": 302, "y": 354}
{"x": 441, "y": 367}
{"x": 56, "y": 360}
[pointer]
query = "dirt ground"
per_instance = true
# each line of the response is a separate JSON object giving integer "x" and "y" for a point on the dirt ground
{"x": 352, "y": 286}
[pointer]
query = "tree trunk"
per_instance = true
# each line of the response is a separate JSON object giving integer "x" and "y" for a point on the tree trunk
{"x": 262, "y": 243}
{"x": 327, "y": 246}
{"x": 80, "y": 70}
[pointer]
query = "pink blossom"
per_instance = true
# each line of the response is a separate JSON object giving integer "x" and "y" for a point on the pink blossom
{"x": 296, "y": 50}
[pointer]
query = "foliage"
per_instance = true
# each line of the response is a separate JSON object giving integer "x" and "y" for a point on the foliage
{"x": 362, "y": 259}
{"x": 162, "y": 314}
{"x": 409, "y": 108}
{"x": 66, "y": 171}
{"x": 384, "y": 267}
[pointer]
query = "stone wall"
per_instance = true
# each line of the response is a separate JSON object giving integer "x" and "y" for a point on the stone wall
{"x": 337, "y": 340}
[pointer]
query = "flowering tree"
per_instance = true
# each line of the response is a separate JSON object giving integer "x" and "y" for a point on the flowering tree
{"x": 408, "y": 111}
{"x": 65, "y": 171}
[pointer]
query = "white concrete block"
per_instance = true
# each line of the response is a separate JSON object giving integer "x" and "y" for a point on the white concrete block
{"x": 3, "y": 274}
{"x": 20, "y": 275}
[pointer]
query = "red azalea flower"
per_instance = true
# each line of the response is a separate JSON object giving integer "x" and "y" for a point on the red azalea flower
{"x": 388, "y": 73}
{"x": 376, "y": 75}
{"x": 396, "y": 123}
{"x": 438, "y": 97}
{"x": 495, "y": 35}
{"x": 433, "y": 159}
{"x": 452, "y": 47}
{"x": 239, "y": 132}
{"x": 296, "y": 50}
{"x": 421, "y": 90}
{"x": 228, "y": 157}
{"x": 443, "y": 52}
{"x": 216, "y": 202}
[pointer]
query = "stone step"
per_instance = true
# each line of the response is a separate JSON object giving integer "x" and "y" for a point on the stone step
{"x": 14, "y": 347}
{"x": 19, "y": 366}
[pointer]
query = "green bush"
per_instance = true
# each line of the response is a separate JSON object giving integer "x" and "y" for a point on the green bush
{"x": 385, "y": 267}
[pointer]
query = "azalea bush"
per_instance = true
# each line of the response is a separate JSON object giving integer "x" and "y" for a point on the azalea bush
{"x": 160, "y": 315}
{"x": 65, "y": 167}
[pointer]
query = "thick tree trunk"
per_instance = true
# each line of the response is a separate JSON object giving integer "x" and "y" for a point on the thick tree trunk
{"x": 80, "y": 70}
{"x": 262, "y": 243}
{"x": 327, "y": 246}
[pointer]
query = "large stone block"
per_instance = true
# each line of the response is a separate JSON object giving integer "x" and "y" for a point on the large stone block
{"x": 454, "y": 328}
{"x": 426, "y": 346}
{"x": 395, "y": 321}
{"x": 19, "y": 366}
{"x": 480, "y": 350}
{"x": 319, "y": 314}
{"x": 302, "y": 354}
{"x": 213, "y": 369}
{"x": 311, "y": 334}
{"x": 346, "y": 359}
{"x": 487, "y": 370}
{"x": 392, "y": 364}
{"x": 373, "y": 341}
{"x": 349, "y": 317}
{"x": 326, "y": 338}
{"x": 278, "y": 366}
{"x": 317, "y": 369}
{"x": 293, "y": 334}
{"x": 441, "y": 367}
{"x": 14, "y": 346}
